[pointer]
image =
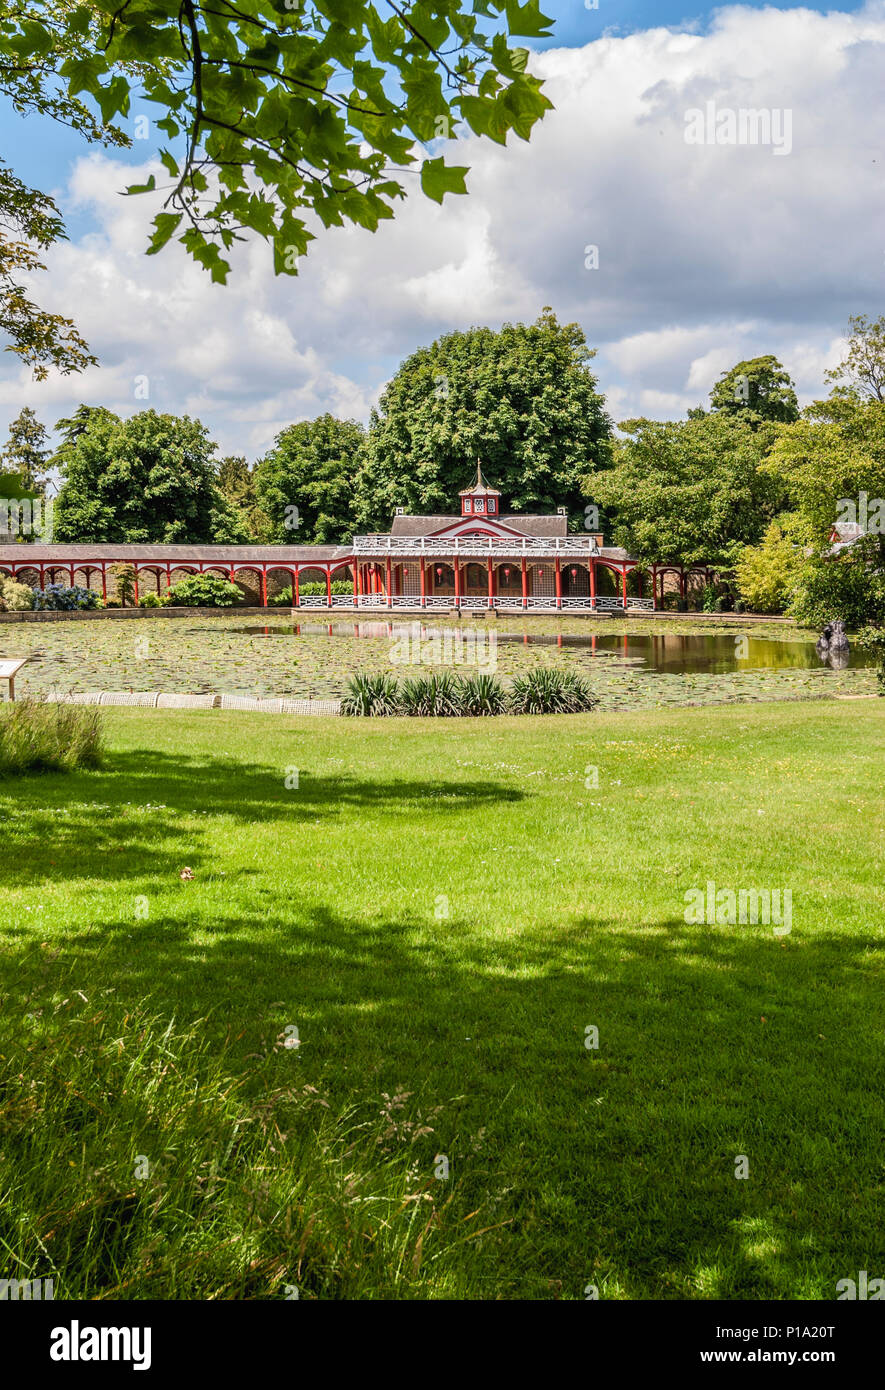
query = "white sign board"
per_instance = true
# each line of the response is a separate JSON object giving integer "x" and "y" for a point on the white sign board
{"x": 8, "y": 672}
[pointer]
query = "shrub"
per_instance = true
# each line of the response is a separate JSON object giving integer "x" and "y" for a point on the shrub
{"x": 847, "y": 586}
{"x": 549, "y": 691}
{"x": 40, "y": 735}
{"x": 435, "y": 694}
{"x": 152, "y": 601}
{"x": 372, "y": 694}
{"x": 481, "y": 694}
{"x": 203, "y": 591}
{"x": 61, "y": 598}
{"x": 16, "y": 598}
{"x": 766, "y": 572}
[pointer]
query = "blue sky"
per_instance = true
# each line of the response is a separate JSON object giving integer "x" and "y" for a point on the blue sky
{"x": 705, "y": 255}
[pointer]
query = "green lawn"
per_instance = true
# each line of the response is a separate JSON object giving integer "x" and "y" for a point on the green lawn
{"x": 425, "y": 1034}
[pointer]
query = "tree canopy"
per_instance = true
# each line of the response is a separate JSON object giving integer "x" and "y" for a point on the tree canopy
{"x": 689, "y": 491}
{"x": 148, "y": 478}
{"x": 760, "y": 389}
{"x": 25, "y": 452}
{"x": 279, "y": 110}
{"x": 862, "y": 370}
{"x": 305, "y": 485}
{"x": 522, "y": 400}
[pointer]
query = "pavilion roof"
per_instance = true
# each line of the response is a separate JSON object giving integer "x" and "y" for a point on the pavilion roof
{"x": 183, "y": 554}
{"x": 528, "y": 525}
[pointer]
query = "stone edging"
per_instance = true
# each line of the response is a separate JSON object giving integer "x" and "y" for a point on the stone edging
{"x": 155, "y": 699}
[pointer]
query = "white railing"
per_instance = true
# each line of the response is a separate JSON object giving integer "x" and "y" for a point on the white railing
{"x": 477, "y": 602}
{"x": 475, "y": 545}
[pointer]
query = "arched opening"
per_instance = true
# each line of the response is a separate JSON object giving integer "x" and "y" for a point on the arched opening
{"x": 608, "y": 581}
{"x": 575, "y": 580}
{"x": 476, "y": 581}
{"x": 441, "y": 578}
{"x": 508, "y": 579}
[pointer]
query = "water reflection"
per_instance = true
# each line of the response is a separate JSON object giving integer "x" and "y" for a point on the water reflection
{"x": 713, "y": 653}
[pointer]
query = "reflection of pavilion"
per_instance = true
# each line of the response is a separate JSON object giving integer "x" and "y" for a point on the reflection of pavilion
{"x": 478, "y": 560}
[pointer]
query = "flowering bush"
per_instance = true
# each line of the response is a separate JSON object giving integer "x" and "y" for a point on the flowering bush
{"x": 15, "y": 597}
{"x": 61, "y": 598}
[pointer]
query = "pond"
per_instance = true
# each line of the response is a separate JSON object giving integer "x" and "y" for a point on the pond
{"x": 679, "y": 653}
{"x": 639, "y": 663}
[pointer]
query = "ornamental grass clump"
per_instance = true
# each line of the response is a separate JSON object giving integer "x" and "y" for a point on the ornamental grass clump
{"x": 481, "y": 694}
{"x": 39, "y": 735}
{"x": 373, "y": 695}
{"x": 549, "y": 691}
{"x": 437, "y": 694}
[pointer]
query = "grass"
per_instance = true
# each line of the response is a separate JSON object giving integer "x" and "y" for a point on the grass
{"x": 37, "y": 736}
{"x": 441, "y": 910}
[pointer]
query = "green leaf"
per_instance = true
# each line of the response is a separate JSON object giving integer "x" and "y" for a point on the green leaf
{"x": 439, "y": 178}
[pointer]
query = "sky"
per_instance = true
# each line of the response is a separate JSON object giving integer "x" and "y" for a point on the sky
{"x": 677, "y": 256}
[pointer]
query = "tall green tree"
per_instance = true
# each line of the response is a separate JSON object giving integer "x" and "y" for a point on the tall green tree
{"x": 149, "y": 478}
{"x": 522, "y": 400}
{"x": 862, "y": 370}
{"x": 759, "y": 388}
{"x": 279, "y": 112}
{"x": 306, "y": 483}
{"x": 830, "y": 461}
{"x": 26, "y": 451}
{"x": 690, "y": 491}
{"x": 236, "y": 479}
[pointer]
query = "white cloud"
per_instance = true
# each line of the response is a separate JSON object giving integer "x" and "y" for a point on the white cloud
{"x": 706, "y": 253}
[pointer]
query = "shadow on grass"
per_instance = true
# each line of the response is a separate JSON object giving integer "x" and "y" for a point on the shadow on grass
{"x": 613, "y": 1165}
{"x": 81, "y": 824}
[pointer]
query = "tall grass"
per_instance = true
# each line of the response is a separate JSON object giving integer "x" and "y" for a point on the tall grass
{"x": 39, "y": 735}
{"x": 138, "y": 1163}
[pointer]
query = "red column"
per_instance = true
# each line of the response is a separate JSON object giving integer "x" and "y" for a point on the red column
{"x": 593, "y": 584}
{"x": 423, "y": 584}
{"x": 264, "y": 586}
{"x": 624, "y": 586}
{"x": 295, "y": 590}
{"x": 42, "y": 578}
{"x": 329, "y": 587}
{"x": 491, "y": 582}
{"x": 525, "y": 585}
{"x": 168, "y": 578}
{"x": 158, "y": 581}
{"x": 558, "y": 584}
{"x": 104, "y": 583}
{"x": 683, "y": 587}
{"x": 457, "y": 582}
{"x": 654, "y": 586}
{"x": 135, "y": 583}
{"x": 388, "y": 581}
